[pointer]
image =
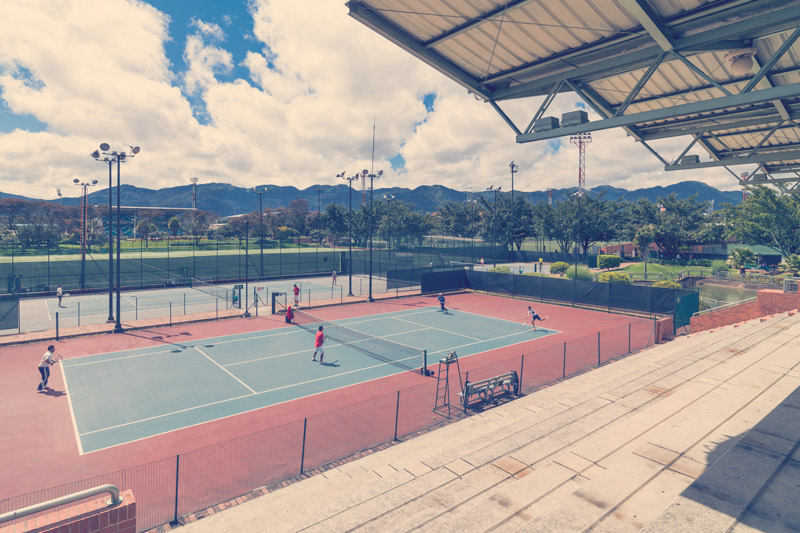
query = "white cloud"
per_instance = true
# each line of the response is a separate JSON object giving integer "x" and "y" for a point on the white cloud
{"x": 316, "y": 82}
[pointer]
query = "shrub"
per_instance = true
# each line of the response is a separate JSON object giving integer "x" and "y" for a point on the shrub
{"x": 608, "y": 261}
{"x": 501, "y": 269}
{"x": 718, "y": 266}
{"x": 614, "y": 277}
{"x": 584, "y": 274}
{"x": 667, "y": 285}
{"x": 559, "y": 267}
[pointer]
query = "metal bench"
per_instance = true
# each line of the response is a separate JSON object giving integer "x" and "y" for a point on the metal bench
{"x": 486, "y": 389}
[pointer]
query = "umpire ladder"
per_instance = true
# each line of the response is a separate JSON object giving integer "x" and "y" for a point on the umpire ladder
{"x": 443, "y": 384}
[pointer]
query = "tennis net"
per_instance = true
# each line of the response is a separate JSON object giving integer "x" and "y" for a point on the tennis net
{"x": 208, "y": 288}
{"x": 394, "y": 353}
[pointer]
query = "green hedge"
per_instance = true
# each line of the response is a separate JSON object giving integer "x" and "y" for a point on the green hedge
{"x": 583, "y": 274}
{"x": 667, "y": 284}
{"x": 559, "y": 267}
{"x": 608, "y": 261}
{"x": 614, "y": 277}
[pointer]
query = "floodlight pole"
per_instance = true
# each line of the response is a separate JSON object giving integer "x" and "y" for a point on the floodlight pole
{"x": 84, "y": 216}
{"x": 494, "y": 224}
{"x": 371, "y": 216}
{"x": 350, "y": 181}
{"x": 119, "y": 157}
{"x": 110, "y": 238}
{"x": 260, "y": 194}
{"x": 246, "y": 267}
{"x": 514, "y": 168}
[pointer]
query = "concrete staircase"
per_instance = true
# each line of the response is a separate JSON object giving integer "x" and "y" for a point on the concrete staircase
{"x": 696, "y": 434}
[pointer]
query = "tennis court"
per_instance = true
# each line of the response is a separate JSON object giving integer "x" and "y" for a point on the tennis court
{"x": 124, "y": 396}
{"x": 38, "y": 314}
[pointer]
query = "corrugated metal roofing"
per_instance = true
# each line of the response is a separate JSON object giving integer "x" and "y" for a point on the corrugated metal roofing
{"x": 502, "y": 50}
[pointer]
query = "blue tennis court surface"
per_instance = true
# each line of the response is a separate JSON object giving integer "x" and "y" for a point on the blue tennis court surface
{"x": 125, "y": 396}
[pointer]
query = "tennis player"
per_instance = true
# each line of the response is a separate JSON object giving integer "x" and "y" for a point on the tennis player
{"x": 44, "y": 366}
{"x": 296, "y": 292}
{"x": 289, "y": 315}
{"x": 319, "y": 340}
{"x": 333, "y": 278}
{"x": 441, "y": 303}
{"x": 534, "y": 317}
{"x": 60, "y": 294}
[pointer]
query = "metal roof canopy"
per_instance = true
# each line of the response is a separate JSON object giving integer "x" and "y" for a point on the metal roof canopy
{"x": 657, "y": 68}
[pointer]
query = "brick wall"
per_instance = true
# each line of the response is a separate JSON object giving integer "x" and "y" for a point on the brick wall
{"x": 664, "y": 329}
{"x": 768, "y": 302}
{"x": 92, "y": 516}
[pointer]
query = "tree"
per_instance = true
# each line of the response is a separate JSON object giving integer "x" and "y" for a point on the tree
{"x": 791, "y": 265}
{"x": 741, "y": 257}
{"x": 335, "y": 220}
{"x": 767, "y": 218}
{"x": 642, "y": 239}
{"x": 143, "y": 230}
{"x": 679, "y": 223}
{"x": 174, "y": 225}
{"x": 298, "y": 213}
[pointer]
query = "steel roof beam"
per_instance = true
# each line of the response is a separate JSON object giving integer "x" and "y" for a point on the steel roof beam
{"x": 732, "y": 160}
{"x": 736, "y": 100}
{"x": 409, "y": 43}
{"x": 475, "y": 21}
{"x": 702, "y": 125}
{"x": 624, "y": 60}
{"x": 651, "y": 22}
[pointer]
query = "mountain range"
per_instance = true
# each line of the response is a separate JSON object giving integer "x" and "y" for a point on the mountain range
{"x": 225, "y": 199}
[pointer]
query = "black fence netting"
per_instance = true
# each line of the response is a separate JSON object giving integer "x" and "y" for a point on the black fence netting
{"x": 9, "y": 311}
{"x": 604, "y": 296}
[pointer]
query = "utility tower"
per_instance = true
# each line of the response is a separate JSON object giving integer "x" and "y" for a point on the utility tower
{"x": 550, "y": 196}
{"x": 581, "y": 140}
{"x": 194, "y": 192}
{"x": 745, "y": 192}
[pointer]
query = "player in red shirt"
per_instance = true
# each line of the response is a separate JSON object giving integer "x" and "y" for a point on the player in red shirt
{"x": 318, "y": 341}
{"x": 296, "y": 291}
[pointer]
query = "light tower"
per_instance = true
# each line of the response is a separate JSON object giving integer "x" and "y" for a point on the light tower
{"x": 194, "y": 192}
{"x": 745, "y": 192}
{"x": 550, "y": 196}
{"x": 581, "y": 140}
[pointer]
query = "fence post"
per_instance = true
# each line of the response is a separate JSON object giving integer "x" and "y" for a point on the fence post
{"x": 170, "y": 313}
{"x": 136, "y": 306}
{"x": 396, "y": 414}
{"x": 598, "y": 348}
{"x": 79, "y": 314}
{"x": 177, "y": 478}
{"x": 184, "y": 303}
{"x": 216, "y": 309}
{"x": 303, "y": 452}
{"x": 564, "y": 363}
{"x": 309, "y": 298}
{"x": 56, "y": 325}
{"x": 629, "y": 337}
{"x": 521, "y": 366}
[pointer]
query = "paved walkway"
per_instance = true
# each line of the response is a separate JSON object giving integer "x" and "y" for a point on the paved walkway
{"x": 699, "y": 434}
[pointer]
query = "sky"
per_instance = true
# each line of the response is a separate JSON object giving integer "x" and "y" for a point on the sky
{"x": 255, "y": 92}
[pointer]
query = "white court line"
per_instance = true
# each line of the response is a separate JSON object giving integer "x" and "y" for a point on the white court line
{"x": 236, "y": 398}
{"x": 71, "y": 410}
{"x": 135, "y": 304}
{"x": 438, "y": 329}
{"x": 47, "y": 308}
{"x": 115, "y": 359}
{"x": 223, "y": 368}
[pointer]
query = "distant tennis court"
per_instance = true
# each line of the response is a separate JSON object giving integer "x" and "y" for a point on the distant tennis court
{"x": 125, "y": 396}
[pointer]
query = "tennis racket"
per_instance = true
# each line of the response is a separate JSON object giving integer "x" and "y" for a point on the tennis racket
{"x": 57, "y": 359}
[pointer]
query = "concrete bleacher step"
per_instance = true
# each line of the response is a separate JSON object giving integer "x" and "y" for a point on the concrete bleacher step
{"x": 612, "y": 449}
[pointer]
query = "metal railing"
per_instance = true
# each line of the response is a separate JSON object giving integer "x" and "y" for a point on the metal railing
{"x": 725, "y": 306}
{"x": 63, "y": 500}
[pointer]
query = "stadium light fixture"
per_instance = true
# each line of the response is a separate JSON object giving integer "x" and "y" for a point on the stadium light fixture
{"x": 350, "y": 181}
{"x": 111, "y": 157}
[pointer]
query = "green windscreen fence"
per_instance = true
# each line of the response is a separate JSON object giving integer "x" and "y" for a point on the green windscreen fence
{"x": 680, "y": 303}
{"x": 9, "y": 311}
